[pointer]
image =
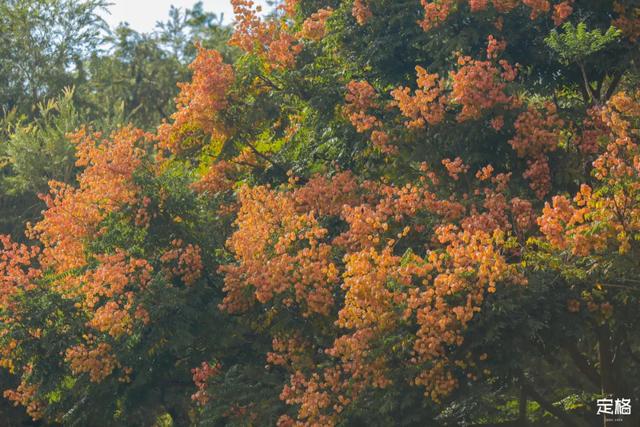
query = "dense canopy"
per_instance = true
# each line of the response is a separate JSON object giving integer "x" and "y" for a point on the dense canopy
{"x": 355, "y": 213}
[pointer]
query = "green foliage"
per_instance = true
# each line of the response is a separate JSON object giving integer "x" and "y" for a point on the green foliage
{"x": 42, "y": 47}
{"x": 522, "y": 338}
{"x": 576, "y": 43}
{"x": 38, "y": 151}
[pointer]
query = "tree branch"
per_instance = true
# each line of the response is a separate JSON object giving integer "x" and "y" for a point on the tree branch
{"x": 582, "y": 363}
{"x": 545, "y": 404}
{"x": 613, "y": 86}
{"x": 587, "y": 86}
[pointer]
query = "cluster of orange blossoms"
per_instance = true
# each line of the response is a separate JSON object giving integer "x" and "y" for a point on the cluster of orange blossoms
{"x": 106, "y": 293}
{"x": 495, "y": 47}
{"x": 18, "y": 272}
{"x": 114, "y": 283}
{"x": 73, "y": 218}
{"x": 455, "y": 167}
{"x": 479, "y": 85}
{"x": 360, "y": 98}
{"x": 361, "y": 11}
{"x": 437, "y": 11}
{"x": 268, "y": 40}
{"x": 361, "y": 101}
{"x": 427, "y": 104}
{"x": 476, "y": 86}
{"x": 105, "y": 185}
{"x": 290, "y": 351}
{"x": 183, "y": 261}
{"x": 25, "y": 395}
{"x": 98, "y": 361}
{"x": 537, "y": 133}
{"x": 201, "y": 376}
{"x": 284, "y": 257}
{"x": 628, "y": 20}
{"x": 17, "y": 269}
{"x": 280, "y": 254}
{"x": 314, "y": 27}
{"x": 198, "y": 103}
{"x": 607, "y": 216}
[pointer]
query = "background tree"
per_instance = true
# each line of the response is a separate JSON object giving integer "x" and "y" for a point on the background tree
{"x": 44, "y": 44}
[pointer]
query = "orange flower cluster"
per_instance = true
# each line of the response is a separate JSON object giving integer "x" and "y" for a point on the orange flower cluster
{"x": 382, "y": 291}
{"x": 110, "y": 279}
{"x": 504, "y": 6}
{"x": 495, "y": 47}
{"x": 269, "y": 41}
{"x": 479, "y": 85}
{"x": 292, "y": 352}
{"x": 289, "y": 7}
{"x": 478, "y": 5}
{"x": 108, "y": 292}
{"x": 249, "y": 30}
{"x": 327, "y": 196}
{"x": 537, "y": 133}
{"x": 17, "y": 271}
{"x": 606, "y": 216}
{"x": 321, "y": 397}
{"x": 538, "y": 173}
{"x": 427, "y": 105}
{"x": 593, "y": 130}
{"x": 440, "y": 323}
{"x": 371, "y": 223}
{"x": 313, "y": 397}
{"x": 201, "y": 376}
{"x": 199, "y": 102}
{"x": 314, "y": 27}
{"x": 455, "y": 167}
{"x": 628, "y": 20}
{"x": 98, "y": 361}
{"x": 562, "y": 11}
{"x": 183, "y": 261}
{"x": 105, "y": 186}
{"x": 360, "y": 98}
{"x": 538, "y": 7}
{"x": 280, "y": 254}
{"x": 361, "y": 11}
{"x": 476, "y": 85}
{"x": 104, "y": 286}
{"x": 437, "y": 11}
{"x": 25, "y": 395}
{"x": 496, "y": 211}
{"x": 523, "y": 213}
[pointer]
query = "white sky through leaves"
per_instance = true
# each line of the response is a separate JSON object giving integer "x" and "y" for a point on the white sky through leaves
{"x": 142, "y": 15}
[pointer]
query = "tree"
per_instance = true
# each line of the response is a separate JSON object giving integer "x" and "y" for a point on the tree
{"x": 368, "y": 212}
{"x": 43, "y": 44}
{"x": 142, "y": 70}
